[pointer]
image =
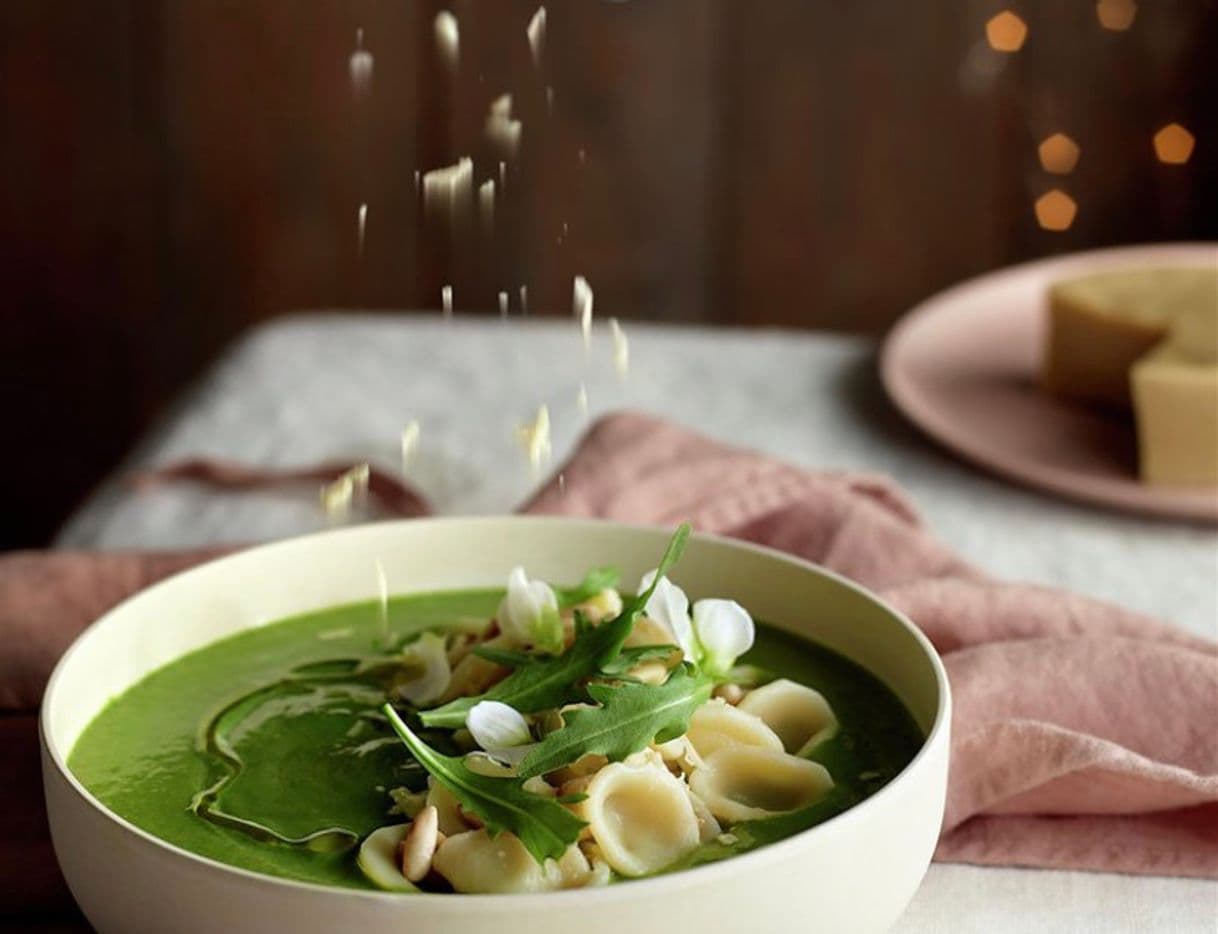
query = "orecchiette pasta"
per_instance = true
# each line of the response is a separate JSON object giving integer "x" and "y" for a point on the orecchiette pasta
{"x": 640, "y": 816}
{"x": 447, "y": 808}
{"x": 716, "y": 725}
{"x": 800, "y": 716}
{"x": 740, "y": 783}
{"x": 475, "y": 862}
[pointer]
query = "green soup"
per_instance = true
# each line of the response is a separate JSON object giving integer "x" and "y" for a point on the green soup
{"x": 267, "y": 750}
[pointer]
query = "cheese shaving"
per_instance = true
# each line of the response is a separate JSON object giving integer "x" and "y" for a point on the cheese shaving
{"x": 450, "y": 188}
{"x": 581, "y": 307}
{"x": 446, "y": 300}
{"x": 524, "y": 299}
{"x": 363, "y": 224}
{"x": 410, "y": 444}
{"x": 486, "y": 203}
{"x": 336, "y": 497}
{"x": 382, "y": 601}
{"x": 534, "y": 437}
{"x": 360, "y": 65}
{"x": 503, "y": 131}
{"x": 503, "y": 304}
{"x": 536, "y": 31}
{"x": 621, "y": 348}
{"x": 448, "y": 39}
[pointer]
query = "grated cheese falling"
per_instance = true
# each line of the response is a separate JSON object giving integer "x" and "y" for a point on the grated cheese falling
{"x": 486, "y": 203}
{"x": 503, "y": 131}
{"x": 360, "y": 65}
{"x": 524, "y": 299}
{"x": 535, "y": 439}
{"x": 410, "y": 444}
{"x": 450, "y": 188}
{"x": 581, "y": 307}
{"x": 448, "y": 39}
{"x": 382, "y": 602}
{"x": 502, "y": 174}
{"x": 503, "y": 304}
{"x": 446, "y": 300}
{"x": 336, "y": 497}
{"x": 621, "y": 348}
{"x": 536, "y": 31}
{"x": 418, "y": 182}
{"x": 363, "y": 224}
{"x": 549, "y": 99}
{"x": 581, "y": 400}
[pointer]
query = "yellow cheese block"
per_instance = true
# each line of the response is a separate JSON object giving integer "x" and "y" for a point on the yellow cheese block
{"x": 1146, "y": 338}
{"x": 1176, "y": 406}
{"x": 1100, "y": 325}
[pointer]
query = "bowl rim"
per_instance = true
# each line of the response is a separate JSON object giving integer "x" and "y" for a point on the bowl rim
{"x": 697, "y": 875}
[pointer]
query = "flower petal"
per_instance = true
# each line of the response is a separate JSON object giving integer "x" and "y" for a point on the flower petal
{"x": 501, "y": 730}
{"x": 427, "y": 661}
{"x": 528, "y": 613}
{"x": 669, "y": 605}
{"x": 724, "y": 631}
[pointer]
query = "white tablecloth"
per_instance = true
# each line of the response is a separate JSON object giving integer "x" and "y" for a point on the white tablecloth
{"x": 324, "y": 387}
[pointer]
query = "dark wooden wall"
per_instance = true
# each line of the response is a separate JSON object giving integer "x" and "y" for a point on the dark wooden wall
{"x": 172, "y": 171}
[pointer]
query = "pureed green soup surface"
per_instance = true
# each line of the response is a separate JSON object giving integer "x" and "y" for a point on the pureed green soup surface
{"x": 267, "y": 750}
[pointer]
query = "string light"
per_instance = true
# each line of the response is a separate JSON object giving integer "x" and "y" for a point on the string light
{"x": 1058, "y": 154}
{"x": 1116, "y": 15}
{"x": 1055, "y": 210}
{"x": 1174, "y": 144}
{"x": 1006, "y": 32}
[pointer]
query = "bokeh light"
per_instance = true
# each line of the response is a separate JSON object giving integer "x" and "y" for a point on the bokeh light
{"x": 1174, "y": 144}
{"x": 1058, "y": 154}
{"x": 1055, "y": 210}
{"x": 1006, "y": 32}
{"x": 1116, "y": 15}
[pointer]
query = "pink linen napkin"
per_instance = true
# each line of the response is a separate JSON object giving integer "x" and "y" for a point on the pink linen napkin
{"x": 1084, "y": 736}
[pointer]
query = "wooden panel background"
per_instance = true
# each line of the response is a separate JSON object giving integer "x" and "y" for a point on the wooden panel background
{"x": 172, "y": 171}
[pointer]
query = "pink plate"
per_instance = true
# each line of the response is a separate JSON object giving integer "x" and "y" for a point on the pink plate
{"x": 963, "y": 364}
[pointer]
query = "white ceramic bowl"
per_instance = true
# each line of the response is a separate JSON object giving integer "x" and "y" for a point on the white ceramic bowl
{"x": 855, "y": 872}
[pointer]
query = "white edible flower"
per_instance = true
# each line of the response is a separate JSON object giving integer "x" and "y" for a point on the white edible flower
{"x": 721, "y": 631}
{"x": 724, "y": 631}
{"x": 501, "y": 730}
{"x": 427, "y": 661}
{"x": 528, "y": 613}
{"x": 669, "y": 606}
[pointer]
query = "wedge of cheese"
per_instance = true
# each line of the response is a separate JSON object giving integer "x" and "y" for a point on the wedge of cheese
{"x": 1145, "y": 339}
{"x": 1175, "y": 401}
{"x": 1100, "y": 325}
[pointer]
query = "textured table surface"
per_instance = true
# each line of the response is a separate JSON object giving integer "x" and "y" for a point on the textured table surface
{"x": 321, "y": 387}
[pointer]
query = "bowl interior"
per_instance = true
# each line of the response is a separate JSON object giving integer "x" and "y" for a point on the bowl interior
{"x": 269, "y": 583}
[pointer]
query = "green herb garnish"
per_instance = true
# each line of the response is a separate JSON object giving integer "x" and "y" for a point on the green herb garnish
{"x": 630, "y": 717}
{"x": 544, "y": 826}
{"x": 594, "y": 582}
{"x": 546, "y": 682}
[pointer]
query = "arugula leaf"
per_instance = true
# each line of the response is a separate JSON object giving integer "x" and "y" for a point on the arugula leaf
{"x": 546, "y": 682}
{"x": 544, "y": 826}
{"x": 635, "y": 655}
{"x": 509, "y": 658}
{"x": 630, "y": 716}
{"x": 593, "y": 583}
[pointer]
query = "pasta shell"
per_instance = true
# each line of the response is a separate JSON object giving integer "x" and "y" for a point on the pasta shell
{"x": 800, "y": 716}
{"x": 740, "y": 783}
{"x": 474, "y": 862}
{"x": 640, "y": 816}
{"x": 447, "y": 808}
{"x": 378, "y": 861}
{"x": 717, "y": 724}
